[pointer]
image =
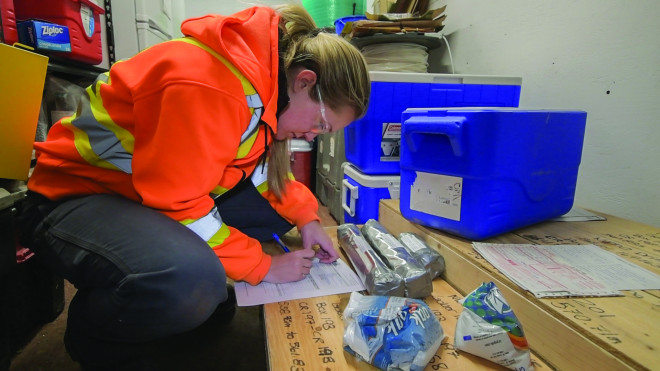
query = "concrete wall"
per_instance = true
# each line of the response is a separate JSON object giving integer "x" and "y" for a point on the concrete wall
{"x": 601, "y": 56}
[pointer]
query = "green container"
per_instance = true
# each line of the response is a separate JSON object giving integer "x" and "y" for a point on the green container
{"x": 325, "y": 13}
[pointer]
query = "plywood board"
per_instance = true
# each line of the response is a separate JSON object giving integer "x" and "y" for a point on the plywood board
{"x": 307, "y": 334}
{"x": 603, "y": 333}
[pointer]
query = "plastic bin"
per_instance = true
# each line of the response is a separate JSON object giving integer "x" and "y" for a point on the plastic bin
{"x": 82, "y": 17}
{"x": 361, "y": 193}
{"x": 481, "y": 172}
{"x": 341, "y": 22}
{"x": 8, "y": 28}
{"x": 324, "y": 12}
{"x": 372, "y": 143}
{"x": 301, "y": 161}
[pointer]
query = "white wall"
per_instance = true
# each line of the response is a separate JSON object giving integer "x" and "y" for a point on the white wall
{"x": 195, "y": 8}
{"x": 601, "y": 56}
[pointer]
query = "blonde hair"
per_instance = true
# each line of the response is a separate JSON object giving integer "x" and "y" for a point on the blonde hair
{"x": 341, "y": 71}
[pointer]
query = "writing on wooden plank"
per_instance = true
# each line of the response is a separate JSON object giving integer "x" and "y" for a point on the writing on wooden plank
{"x": 307, "y": 334}
{"x": 640, "y": 248}
{"x": 614, "y": 324}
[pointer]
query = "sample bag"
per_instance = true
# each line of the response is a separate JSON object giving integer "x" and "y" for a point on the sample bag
{"x": 377, "y": 277}
{"x": 391, "y": 333}
{"x": 417, "y": 280}
{"x": 432, "y": 261}
{"x": 488, "y": 328}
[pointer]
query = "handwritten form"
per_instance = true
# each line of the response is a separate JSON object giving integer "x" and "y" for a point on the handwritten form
{"x": 567, "y": 270}
{"x": 323, "y": 279}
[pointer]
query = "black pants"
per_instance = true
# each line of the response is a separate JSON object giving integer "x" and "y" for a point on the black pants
{"x": 140, "y": 275}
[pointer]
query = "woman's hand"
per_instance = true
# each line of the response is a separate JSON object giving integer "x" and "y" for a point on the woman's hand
{"x": 289, "y": 267}
{"x": 313, "y": 234}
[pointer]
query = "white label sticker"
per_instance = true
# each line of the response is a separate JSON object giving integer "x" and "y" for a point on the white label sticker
{"x": 437, "y": 194}
{"x": 87, "y": 18}
{"x": 412, "y": 243}
{"x": 390, "y": 141}
{"x": 363, "y": 249}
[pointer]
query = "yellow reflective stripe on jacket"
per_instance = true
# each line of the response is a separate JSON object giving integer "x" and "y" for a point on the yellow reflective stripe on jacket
{"x": 219, "y": 237}
{"x": 97, "y": 138}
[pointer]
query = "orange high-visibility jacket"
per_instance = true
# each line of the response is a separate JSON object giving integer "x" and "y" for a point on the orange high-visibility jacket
{"x": 178, "y": 123}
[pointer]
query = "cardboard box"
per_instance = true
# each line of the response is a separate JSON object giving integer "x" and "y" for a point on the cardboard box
{"x": 44, "y": 36}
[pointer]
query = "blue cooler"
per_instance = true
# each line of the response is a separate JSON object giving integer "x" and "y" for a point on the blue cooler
{"x": 480, "y": 172}
{"x": 372, "y": 142}
{"x": 361, "y": 193}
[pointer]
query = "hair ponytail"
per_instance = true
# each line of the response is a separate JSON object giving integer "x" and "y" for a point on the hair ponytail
{"x": 341, "y": 74}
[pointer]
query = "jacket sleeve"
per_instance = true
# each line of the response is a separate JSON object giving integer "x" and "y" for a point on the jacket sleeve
{"x": 241, "y": 256}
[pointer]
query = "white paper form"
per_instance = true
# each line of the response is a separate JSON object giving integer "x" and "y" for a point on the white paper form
{"x": 578, "y": 215}
{"x": 323, "y": 279}
{"x": 567, "y": 270}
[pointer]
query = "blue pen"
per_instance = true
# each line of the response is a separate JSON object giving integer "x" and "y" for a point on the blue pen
{"x": 279, "y": 242}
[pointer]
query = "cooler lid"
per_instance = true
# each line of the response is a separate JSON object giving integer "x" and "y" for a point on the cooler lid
{"x": 443, "y": 78}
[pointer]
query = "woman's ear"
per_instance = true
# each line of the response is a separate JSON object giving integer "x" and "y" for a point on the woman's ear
{"x": 305, "y": 79}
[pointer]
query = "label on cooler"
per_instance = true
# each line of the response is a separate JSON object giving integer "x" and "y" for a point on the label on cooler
{"x": 437, "y": 194}
{"x": 87, "y": 19}
{"x": 390, "y": 141}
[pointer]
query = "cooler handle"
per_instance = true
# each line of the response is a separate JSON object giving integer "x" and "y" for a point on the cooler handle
{"x": 346, "y": 186}
{"x": 452, "y": 127}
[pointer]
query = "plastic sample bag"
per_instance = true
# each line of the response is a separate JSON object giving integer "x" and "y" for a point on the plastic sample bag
{"x": 377, "y": 277}
{"x": 488, "y": 328}
{"x": 391, "y": 333}
{"x": 396, "y": 256}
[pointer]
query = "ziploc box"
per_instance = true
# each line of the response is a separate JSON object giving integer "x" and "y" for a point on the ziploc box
{"x": 44, "y": 36}
{"x": 480, "y": 172}
{"x": 373, "y": 142}
{"x": 82, "y": 17}
{"x": 361, "y": 193}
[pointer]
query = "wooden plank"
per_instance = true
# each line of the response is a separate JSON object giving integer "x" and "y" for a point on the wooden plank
{"x": 636, "y": 242}
{"x": 307, "y": 334}
{"x": 603, "y": 333}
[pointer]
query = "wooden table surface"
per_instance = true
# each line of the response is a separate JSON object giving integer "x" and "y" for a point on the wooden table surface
{"x": 306, "y": 334}
{"x": 587, "y": 333}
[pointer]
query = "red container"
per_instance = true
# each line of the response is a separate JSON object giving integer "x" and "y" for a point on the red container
{"x": 81, "y": 16}
{"x": 8, "y": 22}
{"x": 301, "y": 161}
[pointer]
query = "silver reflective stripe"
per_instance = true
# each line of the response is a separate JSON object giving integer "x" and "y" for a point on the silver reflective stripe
{"x": 260, "y": 174}
{"x": 208, "y": 225}
{"x": 102, "y": 140}
{"x": 253, "y": 101}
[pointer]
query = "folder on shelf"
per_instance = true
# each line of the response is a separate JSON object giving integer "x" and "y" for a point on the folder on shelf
{"x": 22, "y": 78}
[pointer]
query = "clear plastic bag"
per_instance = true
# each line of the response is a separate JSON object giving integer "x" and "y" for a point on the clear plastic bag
{"x": 488, "y": 328}
{"x": 391, "y": 333}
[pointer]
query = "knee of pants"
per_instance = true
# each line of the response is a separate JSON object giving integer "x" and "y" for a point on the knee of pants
{"x": 176, "y": 299}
